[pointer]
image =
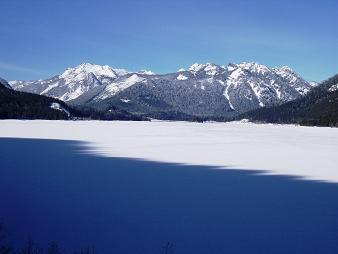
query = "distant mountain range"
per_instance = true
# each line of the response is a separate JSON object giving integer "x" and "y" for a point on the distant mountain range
{"x": 319, "y": 107}
{"x": 203, "y": 90}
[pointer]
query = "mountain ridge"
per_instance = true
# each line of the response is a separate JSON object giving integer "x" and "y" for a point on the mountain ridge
{"x": 203, "y": 90}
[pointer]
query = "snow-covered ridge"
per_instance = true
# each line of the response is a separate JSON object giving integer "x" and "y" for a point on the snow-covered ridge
{"x": 146, "y": 72}
{"x": 77, "y": 81}
{"x": 209, "y": 68}
{"x": 78, "y": 72}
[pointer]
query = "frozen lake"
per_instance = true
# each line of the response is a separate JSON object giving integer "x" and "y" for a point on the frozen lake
{"x": 130, "y": 190}
{"x": 306, "y": 152}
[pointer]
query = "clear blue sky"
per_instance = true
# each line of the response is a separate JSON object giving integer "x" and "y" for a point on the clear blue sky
{"x": 40, "y": 38}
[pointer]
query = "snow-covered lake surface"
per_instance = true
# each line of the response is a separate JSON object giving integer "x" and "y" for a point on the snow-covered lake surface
{"x": 116, "y": 192}
{"x": 306, "y": 152}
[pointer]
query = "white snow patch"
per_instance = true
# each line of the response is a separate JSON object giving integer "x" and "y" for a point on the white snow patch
{"x": 73, "y": 94}
{"x": 121, "y": 85}
{"x": 257, "y": 89}
{"x": 210, "y": 69}
{"x": 80, "y": 72}
{"x": 230, "y": 68}
{"x": 254, "y": 67}
{"x": 146, "y": 72}
{"x": 333, "y": 88}
{"x": 181, "y": 70}
{"x": 181, "y": 77}
{"x": 196, "y": 67}
{"x": 57, "y": 106}
{"x": 226, "y": 94}
{"x": 50, "y": 87}
{"x": 279, "y": 94}
{"x": 125, "y": 100}
{"x": 18, "y": 84}
{"x": 302, "y": 90}
{"x": 313, "y": 83}
{"x": 307, "y": 152}
{"x": 234, "y": 77}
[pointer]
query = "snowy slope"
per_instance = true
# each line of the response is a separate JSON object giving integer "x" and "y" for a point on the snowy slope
{"x": 306, "y": 152}
{"x": 73, "y": 82}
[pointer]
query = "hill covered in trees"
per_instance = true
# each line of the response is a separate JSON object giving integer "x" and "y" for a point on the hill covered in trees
{"x": 21, "y": 105}
{"x": 318, "y": 108}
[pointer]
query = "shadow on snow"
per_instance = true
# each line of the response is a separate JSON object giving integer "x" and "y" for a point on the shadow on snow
{"x": 55, "y": 191}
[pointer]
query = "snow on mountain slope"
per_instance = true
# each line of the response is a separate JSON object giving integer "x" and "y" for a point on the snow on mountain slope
{"x": 78, "y": 73}
{"x": 294, "y": 79}
{"x": 119, "y": 85}
{"x": 208, "y": 69}
{"x": 201, "y": 90}
{"x": 333, "y": 88}
{"x": 73, "y": 82}
{"x": 181, "y": 77}
{"x": 254, "y": 84}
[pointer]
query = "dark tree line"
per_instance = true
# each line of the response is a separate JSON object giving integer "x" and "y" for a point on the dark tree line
{"x": 22, "y": 105}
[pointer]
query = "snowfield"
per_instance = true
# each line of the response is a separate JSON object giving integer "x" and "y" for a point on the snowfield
{"x": 305, "y": 152}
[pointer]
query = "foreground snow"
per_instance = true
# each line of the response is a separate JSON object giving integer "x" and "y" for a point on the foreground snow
{"x": 307, "y": 152}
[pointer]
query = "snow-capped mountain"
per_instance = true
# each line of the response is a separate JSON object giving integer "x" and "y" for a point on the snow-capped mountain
{"x": 73, "y": 82}
{"x": 201, "y": 90}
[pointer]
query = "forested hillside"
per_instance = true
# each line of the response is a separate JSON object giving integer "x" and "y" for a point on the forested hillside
{"x": 318, "y": 108}
{"x": 22, "y": 105}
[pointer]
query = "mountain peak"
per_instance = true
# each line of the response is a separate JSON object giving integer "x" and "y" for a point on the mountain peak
{"x": 288, "y": 73}
{"x": 85, "y": 68}
{"x": 196, "y": 67}
{"x": 146, "y": 72}
{"x": 286, "y": 68}
{"x": 254, "y": 67}
{"x": 210, "y": 69}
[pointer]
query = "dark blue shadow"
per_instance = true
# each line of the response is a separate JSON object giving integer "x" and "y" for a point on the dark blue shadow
{"x": 52, "y": 191}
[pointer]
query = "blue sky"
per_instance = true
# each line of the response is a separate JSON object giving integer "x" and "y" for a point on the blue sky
{"x": 40, "y": 38}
